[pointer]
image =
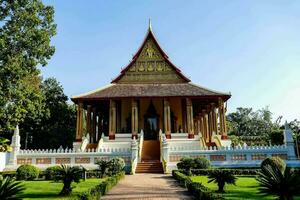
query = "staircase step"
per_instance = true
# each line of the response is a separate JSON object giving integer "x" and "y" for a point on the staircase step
{"x": 149, "y": 167}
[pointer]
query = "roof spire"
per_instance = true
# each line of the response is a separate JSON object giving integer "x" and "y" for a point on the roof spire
{"x": 150, "y": 25}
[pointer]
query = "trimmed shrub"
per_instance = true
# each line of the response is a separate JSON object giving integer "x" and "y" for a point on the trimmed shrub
{"x": 115, "y": 166}
{"x": 201, "y": 163}
{"x": 186, "y": 164}
{"x": 198, "y": 190}
{"x": 50, "y": 172}
{"x": 244, "y": 172}
{"x": 27, "y": 172}
{"x": 101, "y": 189}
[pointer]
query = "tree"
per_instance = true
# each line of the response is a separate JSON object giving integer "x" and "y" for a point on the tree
{"x": 279, "y": 180}
{"x": 9, "y": 189}
{"x": 67, "y": 175}
{"x": 221, "y": 177}
{"x": 103, "y": 167}
{"x": 56, "y": 126}
{"x": 252, "y": 126}
{"x": 26, "y": 28}
{"x": 4, "y": 145}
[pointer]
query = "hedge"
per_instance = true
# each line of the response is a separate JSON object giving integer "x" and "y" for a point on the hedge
{"x": 198, "y": 190}
{"x": 99, "y": 190}
{"x": 27, "y": 172}
{"x": 205, "y": 172}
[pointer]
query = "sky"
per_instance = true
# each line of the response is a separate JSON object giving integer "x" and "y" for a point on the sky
{"x": 248, "y": 48}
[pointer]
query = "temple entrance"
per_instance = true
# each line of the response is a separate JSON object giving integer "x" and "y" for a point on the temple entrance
{"x": 151, "y": 120}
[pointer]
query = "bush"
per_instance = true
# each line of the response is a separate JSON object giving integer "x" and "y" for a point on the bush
{"x": 206, "y": 172}
{"x": 186, "y": 164}
{"x": 101, "y": 189}
{"x": 115, "y": 166}
{"x": 198, "y": 190}
{"x": 201, "y": 163}
{"x": 27, "y": 172}
{"x": 50, "y": 172}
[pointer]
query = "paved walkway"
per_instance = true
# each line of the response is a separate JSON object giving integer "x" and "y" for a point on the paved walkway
{"x": 147, "y": 186}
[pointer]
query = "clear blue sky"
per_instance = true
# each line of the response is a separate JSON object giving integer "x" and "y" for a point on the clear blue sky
{"x": 250, "y": 48}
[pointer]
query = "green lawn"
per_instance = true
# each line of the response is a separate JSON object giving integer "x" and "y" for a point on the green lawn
{"x": 49, "y": 190}
{"x": 245, "y": 188}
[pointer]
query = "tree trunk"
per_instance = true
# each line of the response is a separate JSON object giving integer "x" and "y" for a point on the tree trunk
{"x": 221, "y": 187}
{"x": 66, "y": 190}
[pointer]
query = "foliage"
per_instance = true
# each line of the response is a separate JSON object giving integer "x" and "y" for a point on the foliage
{"x": 57, "y": 124}
{"x": 9, "y": 189}
{"x": 201, "y": 192}
{"x": 96, "y": 192}
{"x": 67, "y": 175}
{"x": 276, "y": 137}
{"x": 111, "y": 167}
{"x": 4, "y": 145}
{"x": 50, "y": 172}
{"x": 246, "y": 122}
{"x": 116, "y": 165}
{"x": 275, "y": 180}
{"x": 187, "y": 164}
{"x": 280, "y": 164}
{"x": 27, "y": 172}
{"x": 103, "y": 167}
{"x": 26, "y": 28}
{"x": 201, "y": 163}
{"x": 180, "y": 177}
{"x": 198, "y": 190}
{"x": 205, "y": 172}
{"x": 221, "y": 177}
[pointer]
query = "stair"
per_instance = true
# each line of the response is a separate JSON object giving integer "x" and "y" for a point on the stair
{"x": 149, "y": 167}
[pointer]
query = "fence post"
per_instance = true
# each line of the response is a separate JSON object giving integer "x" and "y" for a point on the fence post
{"x": 134, "y": 155}
{"x": 289, "y": 142}
{"x": 15, "y": 144}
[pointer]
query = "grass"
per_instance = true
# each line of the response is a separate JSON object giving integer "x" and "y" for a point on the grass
{"x": 42, "y": 190}
{"x": 246, "y": 188}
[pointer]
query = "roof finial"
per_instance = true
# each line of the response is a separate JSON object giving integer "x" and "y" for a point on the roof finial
{"x": 150, "y": 25}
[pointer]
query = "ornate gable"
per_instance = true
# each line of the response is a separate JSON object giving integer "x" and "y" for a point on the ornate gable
{"x": 150, "y": 65}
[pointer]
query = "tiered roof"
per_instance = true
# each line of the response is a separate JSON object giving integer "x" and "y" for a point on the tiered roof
{"x": 150, "y": 74}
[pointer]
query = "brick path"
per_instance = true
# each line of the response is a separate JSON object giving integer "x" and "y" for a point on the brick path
{"x": 147, "y": 186}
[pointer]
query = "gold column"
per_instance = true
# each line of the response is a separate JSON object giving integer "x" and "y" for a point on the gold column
{"x": 205, "y": 125}
{"x": 201, "y": 129}
{"x": 210, "y": 126}
{"x": 167, "y": 118}
{"x": 215, "y": 119}
{"x": 79, "y": 122}
{"x": 190, "y": 118}
{"x": 93, "y": 136}
{"x": 134, "y": 118}
{"x": 112, "y": 120}
{"x": 222, "y": 116}
{"x": 88, "y": 120}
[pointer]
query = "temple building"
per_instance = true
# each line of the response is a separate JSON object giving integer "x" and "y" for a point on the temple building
{"x": 151, "y": 94}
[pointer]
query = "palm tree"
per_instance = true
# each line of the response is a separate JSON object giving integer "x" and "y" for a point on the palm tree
{"x": 279, "y": 181}
{"x": 67, "y": 175}
{"x": 221, "y": 177}
{"x": 103, "y": 167}
{"x": 9, "y": 189}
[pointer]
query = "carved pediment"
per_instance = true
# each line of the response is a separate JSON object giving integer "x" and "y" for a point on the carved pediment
{"x": 150, "y": 65}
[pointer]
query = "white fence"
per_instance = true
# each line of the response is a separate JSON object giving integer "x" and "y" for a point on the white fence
{"x": 172, "y": 150}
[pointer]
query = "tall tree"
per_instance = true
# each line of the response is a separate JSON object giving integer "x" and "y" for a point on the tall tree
{"x": 57, "y": 125}
{"x": 26, "y": 28}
